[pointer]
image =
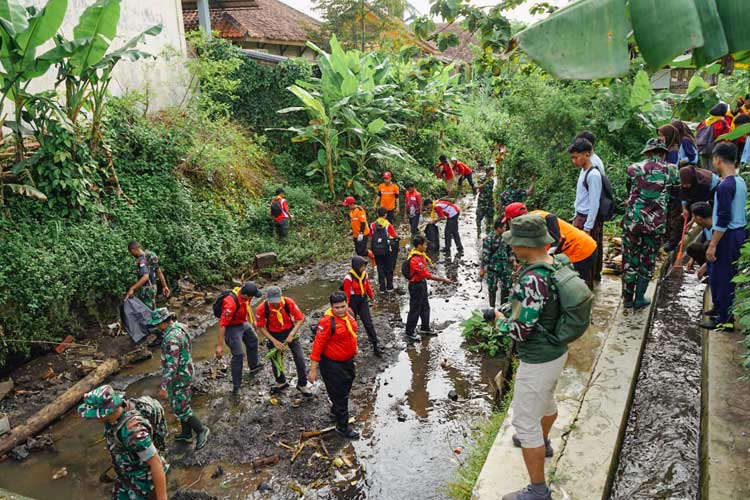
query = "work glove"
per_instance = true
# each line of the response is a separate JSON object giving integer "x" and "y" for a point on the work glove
{"x": 360, "y": 237}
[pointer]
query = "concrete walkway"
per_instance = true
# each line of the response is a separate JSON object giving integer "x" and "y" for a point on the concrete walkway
{"x": 593, "y": 399}
{"x": 726, "y": 419}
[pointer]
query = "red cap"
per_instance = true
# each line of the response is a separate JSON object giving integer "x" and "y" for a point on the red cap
{"x": 514, "y": 210}
{"x": 349, "y": 200}
{"x": 387, "y": 175}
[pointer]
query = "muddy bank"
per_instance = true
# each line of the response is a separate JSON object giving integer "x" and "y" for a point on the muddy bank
{"x": 660, "y": 450}
{"x": 415, "y": 408}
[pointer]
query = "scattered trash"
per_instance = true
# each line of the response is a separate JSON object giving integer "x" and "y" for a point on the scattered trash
{"x": 264, "y": 487}
{"x": 60, "y": 348}
{"x": 41, "y": 442}
{"x": 458, "y": 450}
{"x": 49, "y": 373}
{"x": 86, "y": 366}
{"x": 401, "y": 418}
{"x": 60, "y": 473}
{"x": 453, "y": 395}
{"x": 114, "y": 329}
{"x": 218, "y": 472}
{"x": 274, "y": 401}
{"x": 338, "y": 462}
{"x": 19, "y": 453}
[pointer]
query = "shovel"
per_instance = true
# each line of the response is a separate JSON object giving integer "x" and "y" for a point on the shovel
{"x": 678, "y": 259}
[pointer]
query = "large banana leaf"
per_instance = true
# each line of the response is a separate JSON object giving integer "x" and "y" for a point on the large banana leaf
{"x": 42, "y": 27}
{"x": 714, "y": 40}
{"x": 98, "y": 25}
{"x": 585, "y": 40}
{"x": 661, "y": 41}
{"x": 13, "y": 16}
{"x": 735, "y": 16}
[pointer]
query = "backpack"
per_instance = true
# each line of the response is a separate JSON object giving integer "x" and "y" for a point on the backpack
{"x": 705, "y": 140}
{"x": 406, "y": 268}
{"x": 219, "y": 302}
{"x": 575, "y": 300}
{"x": 276, "y": 208}
{"x": 314, "y": 328}
{"x": 381, "y": 245}
{"x": 606, "y": 198}
{"x": 152, "y": 410}
{"x": 432, "y": 235}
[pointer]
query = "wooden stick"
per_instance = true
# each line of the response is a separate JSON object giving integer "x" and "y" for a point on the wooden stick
{"x": 678, "y": 260}
{"x": 312, "y": 434}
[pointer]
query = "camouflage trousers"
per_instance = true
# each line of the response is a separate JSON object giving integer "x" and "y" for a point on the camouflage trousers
{"x": 487, "y": 214}
{"x": 639, "y": 253}
{"x": 134, "y": 488}
{"x": 147, "y": 295}
{"x": 180, "y": 398}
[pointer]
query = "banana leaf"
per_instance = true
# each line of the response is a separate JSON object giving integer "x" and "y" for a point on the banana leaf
{"x": 661, "y": 41}
{"x": 735, "y": 16}
{"x": 585, "y": 40}
{"x": 714, "y": 40}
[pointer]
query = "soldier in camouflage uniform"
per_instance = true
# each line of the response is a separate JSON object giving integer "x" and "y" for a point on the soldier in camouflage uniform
{"x": 645, "y": 220}
{"x": 514, "y": 194}
{"x": 535, "y": 309}
{"x": 495, "y": 264}
{"x": 140, "y": 469}
{"x": 177, "y": 375}
{"x": 486, "y": 200}
{"x": 147, "y": 269}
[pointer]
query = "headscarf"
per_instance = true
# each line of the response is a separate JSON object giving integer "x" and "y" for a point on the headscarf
{"x": 698, "y": 179}
{"x": 671, "y": 137}
{"x": 684, "y": 130}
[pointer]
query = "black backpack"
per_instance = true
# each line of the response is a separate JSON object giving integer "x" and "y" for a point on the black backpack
{"x": 381, "y": 244}
{"x": 267, "y": 311}
{"x": 432, "y": 235}
{"x": 219, "y": 303}
{"x": 606, "y": 199}
{"x": 314, "y": 328}
{"x": 276, "y": 207}
{"x": 406, "y": 268}
{"x": 705, "y": 140}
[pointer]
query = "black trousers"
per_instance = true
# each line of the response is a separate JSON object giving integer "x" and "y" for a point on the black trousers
{"x": 675, "y": 222}
{"x": 585, "y": 269}
{"x": 468, "y": 178}
{"x": 419, "y": 307}
{"x": 360, "y": 247}
{"x": 385, "y": 271}
{"x": 597, "y": 233}
{"x": 282, "y": 228}
{"x": 360, "y": 305}
{"x": 338, "y": 377}
{"x": 414, "y": 224}
{"x": 297, "y": 355}
{"x": 451, "y": 233}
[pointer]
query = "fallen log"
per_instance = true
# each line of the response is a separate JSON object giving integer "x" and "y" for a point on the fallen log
{"x": 37, "y": 423}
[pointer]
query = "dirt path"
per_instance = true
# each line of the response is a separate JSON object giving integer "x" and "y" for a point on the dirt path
{"x": 414, "y": 407}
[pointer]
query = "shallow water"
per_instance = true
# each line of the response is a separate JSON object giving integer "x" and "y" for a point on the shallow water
{"x": 660, "y": 451}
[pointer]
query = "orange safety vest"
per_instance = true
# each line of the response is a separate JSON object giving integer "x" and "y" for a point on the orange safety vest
{"x": 576, "y": 244}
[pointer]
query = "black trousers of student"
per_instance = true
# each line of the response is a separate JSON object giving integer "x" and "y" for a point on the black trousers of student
{"x": 585, "y": 269}
{"x": 414, "y": 224}
{"x": 451, "y": 233}
{"x": 468, "y": 178}
{"x": 360, "y": 247}
{"x": 597, "y": 233}
{"x": 385, "y": 271}
{"x": 297, "y": 355}
{"x": 360, "y": 306}
{"x": 419, "y": 307}
{"x": 338, "y": 377}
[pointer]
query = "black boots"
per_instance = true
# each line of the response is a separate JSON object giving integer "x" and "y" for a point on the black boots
{"x": 186, "y": 435}
{"x": 640, "y": 290}
{"x": 201, "y": 432}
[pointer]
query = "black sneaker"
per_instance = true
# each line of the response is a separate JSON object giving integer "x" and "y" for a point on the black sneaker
{"x": 429, "y": 333}
{"x": 378, "y": 351}
{"x": 253, "y": 371}
{"x": 278, "y": 389}
{"x": 412, "y": 337}
{"x": 348, "y": 433}
{"x": 235, "y": 391}
{"x": 709, "y": 323}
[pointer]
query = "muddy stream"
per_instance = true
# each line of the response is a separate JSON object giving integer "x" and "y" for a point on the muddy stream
{"x": 660, "y": 451}
{"x": 410, "y": 424}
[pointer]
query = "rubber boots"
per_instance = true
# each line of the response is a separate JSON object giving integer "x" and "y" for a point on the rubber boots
{"x": 628, "y": 291}
{"x": 186, "y": 436}
{"x": 201, "y": 432}
{"x": 640, "y": 291}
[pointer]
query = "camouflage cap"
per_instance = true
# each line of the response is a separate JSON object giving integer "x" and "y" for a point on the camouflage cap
{"x": 528, "y": 230}
{"x": 654, "y": 145}
{"x": 100, "y": 402}
{"x": 160, "y": 315}
{"x": 510, "y": 182}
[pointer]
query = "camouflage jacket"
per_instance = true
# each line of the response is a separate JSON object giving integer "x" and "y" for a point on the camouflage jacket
{"x": 512, "y": 195}
{"x": 485, "y": 202}
{"x": 176, "y": 361}
{"x": 649, "y": 184}
{"x": 494, "y": 254}
{"x": 131, "y": 446}
{"x": 147, "y": 263}
{"x": 534, "y": 309}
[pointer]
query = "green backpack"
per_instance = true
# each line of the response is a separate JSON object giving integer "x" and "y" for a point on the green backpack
{"x": 575, "y": 299}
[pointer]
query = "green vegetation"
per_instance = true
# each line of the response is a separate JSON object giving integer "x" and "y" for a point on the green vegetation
{"x": 484, "y": 336}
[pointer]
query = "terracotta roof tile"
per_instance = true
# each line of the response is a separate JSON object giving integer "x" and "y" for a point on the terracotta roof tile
{"x": 271, "y": 20}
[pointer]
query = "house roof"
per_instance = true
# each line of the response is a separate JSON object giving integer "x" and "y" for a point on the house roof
{"x": 257, "y": 20}
{"x": 461, "y": 52}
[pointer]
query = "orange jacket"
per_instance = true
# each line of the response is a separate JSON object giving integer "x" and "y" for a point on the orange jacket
{"x": 577, "y": 245}
{"x": 358, "y": 218}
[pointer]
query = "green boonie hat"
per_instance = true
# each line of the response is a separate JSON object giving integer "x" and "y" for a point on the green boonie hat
{"x": 528, "y": 230}
{"x": 160, "y": 315}
{"x": 100, "y": 402}
{"x": 654, "y": 145}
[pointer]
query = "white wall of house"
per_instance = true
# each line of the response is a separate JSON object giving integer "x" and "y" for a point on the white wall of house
{"x": 163, "y": 77}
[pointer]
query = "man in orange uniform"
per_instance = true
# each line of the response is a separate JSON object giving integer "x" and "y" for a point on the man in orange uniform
{"x": 388, "y": 196}
{"x": 360, "y": 227}
{"x": 577, "y": 245}
{"x": 464, "y": 171}
{"x": 334, "y": 349}
{"x": 279, "y": 319}
{"x": 358, "y": 291}
{"x": 236, "y": 329}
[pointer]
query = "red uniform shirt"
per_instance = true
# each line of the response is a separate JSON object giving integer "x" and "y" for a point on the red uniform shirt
{"x": 391, "y": 231}
{"x": 418, "y": 269}
{"x": 446, "y": 171}
{"x": 352, "y": 286}
{"x": 231, "y": 314}
{"x": 446, "y": 209}
{"x": 339, "y": 346}
{"x": 277, "y": 312}
{"x": 462, "y": 168}
{"x": 284, "y": 211}
{"x": 413, "y": 202}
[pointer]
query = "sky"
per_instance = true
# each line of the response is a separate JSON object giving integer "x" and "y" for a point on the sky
{"x": 423, "y": 6}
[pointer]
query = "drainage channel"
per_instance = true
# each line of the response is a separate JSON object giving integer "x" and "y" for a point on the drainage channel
{"x": 660, "y": 454}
